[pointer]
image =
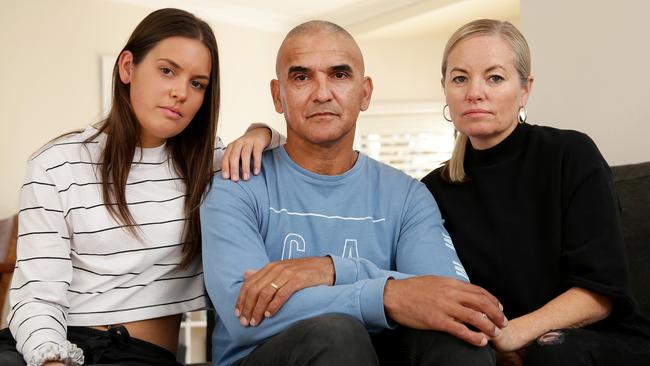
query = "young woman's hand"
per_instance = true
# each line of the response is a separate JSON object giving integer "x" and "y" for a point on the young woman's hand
{"x": 250, "y": 145}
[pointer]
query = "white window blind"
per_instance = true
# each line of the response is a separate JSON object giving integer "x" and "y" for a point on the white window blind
{"x": 412, "y": 137}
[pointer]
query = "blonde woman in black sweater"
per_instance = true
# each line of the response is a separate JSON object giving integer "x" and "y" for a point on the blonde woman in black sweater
{"x": 533, "y": 213}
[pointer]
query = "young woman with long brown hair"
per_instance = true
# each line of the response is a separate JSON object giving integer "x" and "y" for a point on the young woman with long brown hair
{"x": 109, "y": 232}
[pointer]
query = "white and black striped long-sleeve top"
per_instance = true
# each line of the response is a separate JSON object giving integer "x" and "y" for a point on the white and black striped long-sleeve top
{"x": 77, "y": 266}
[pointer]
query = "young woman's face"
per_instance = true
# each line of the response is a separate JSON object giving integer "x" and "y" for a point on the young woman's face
{"x": 167, "y": 86}
{"x": 484, "y": 90}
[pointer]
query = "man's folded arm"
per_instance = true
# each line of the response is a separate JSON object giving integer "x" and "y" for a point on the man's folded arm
{"x": 232, "y": 244}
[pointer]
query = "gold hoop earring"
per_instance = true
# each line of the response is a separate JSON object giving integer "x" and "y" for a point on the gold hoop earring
{"x": 522, "y": 114}
{"x": 444, "y": 115}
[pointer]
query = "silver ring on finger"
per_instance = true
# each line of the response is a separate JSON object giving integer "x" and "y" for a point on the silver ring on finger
{"x": 276, "y": 287}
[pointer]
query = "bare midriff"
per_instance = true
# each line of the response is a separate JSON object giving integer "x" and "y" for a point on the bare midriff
{"x": 162, "y": 332}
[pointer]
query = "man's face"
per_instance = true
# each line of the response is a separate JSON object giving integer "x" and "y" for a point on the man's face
{"x": 320, "y": 88}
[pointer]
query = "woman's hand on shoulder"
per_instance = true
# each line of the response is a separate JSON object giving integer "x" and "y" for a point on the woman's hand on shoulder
{"x": 247, "y": 147}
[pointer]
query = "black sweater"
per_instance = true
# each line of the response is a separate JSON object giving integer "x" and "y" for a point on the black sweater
{"x": 538, "y": 216}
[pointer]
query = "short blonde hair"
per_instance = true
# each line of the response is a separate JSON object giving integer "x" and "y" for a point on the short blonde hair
{"x": 453, "y": 170}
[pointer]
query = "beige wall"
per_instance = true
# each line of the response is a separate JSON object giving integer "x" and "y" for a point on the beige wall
{"x": 247, "y": 67}
{"x": 404, "y": 70}
{"x": 50, "y": 75}
{"x": 407, "y": 69}
{"x": 591, "y": 60}
{"x": 49, "y": 72}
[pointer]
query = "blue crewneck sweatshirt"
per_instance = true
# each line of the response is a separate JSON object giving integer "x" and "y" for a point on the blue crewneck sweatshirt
{"x": 374, "y": 221}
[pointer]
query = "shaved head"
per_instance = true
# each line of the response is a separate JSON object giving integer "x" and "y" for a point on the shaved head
{"x": 320, "y": 88}
{"x": 317, "y": 28}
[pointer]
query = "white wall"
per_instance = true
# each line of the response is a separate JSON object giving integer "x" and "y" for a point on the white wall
{"x": 50, "y": 75}
{"x": 591, "y": 60}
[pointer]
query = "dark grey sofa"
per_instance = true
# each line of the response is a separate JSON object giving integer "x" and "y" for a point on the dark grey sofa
{"x": 632, "y": 184}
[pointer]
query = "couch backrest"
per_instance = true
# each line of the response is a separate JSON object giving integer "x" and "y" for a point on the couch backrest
{"x": 632, "y": 184}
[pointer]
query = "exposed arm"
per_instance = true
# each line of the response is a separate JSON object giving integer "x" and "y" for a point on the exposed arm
{"x": 232, "y": 244}
{"x": 574, "y": 308}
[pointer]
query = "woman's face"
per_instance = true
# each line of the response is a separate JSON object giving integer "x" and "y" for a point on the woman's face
{"x": 167, "y": 86}
{"x": 483, "y": 89}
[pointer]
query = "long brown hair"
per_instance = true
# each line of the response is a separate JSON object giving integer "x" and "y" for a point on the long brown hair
{"x": 453, "y": 170}
{"x": 192, "y": 150}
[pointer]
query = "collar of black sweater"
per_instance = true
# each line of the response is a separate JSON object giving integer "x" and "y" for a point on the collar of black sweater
{"x": 507, "y": 149}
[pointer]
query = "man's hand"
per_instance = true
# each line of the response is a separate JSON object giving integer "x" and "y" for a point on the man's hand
{"x": 265, "y": 291}
{"x": 251, "y": 144}
{"x": 444, "y": 304}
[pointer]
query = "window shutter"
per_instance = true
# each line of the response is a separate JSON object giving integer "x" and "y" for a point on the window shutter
{"x": 412, "y": 137}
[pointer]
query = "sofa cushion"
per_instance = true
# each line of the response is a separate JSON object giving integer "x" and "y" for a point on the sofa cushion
{"x": 632, "y": 184}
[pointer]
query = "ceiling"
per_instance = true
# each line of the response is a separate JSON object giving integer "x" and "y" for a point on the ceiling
{"x": 365, "y": 18}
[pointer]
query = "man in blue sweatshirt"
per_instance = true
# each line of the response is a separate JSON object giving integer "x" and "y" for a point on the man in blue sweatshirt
{"x": 328, "y": 257}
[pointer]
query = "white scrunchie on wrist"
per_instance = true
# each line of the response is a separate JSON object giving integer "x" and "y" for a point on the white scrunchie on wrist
{"x": 67, "y": 353}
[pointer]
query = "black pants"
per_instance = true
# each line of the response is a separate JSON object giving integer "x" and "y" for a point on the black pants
{"x": 412, "y": 347}
{"x": 112, "y": 347}
{"x": 585, "y": 347}
{"x": 341, "y": 340}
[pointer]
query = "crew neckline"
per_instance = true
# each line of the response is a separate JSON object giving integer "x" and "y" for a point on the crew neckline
{"x": 358, "y": 165}
{"x": 143, "y": 154}
{"x": 150, "y": 153}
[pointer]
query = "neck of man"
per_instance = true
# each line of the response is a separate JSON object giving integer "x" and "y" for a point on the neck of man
{"x": 324, "y": 159}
